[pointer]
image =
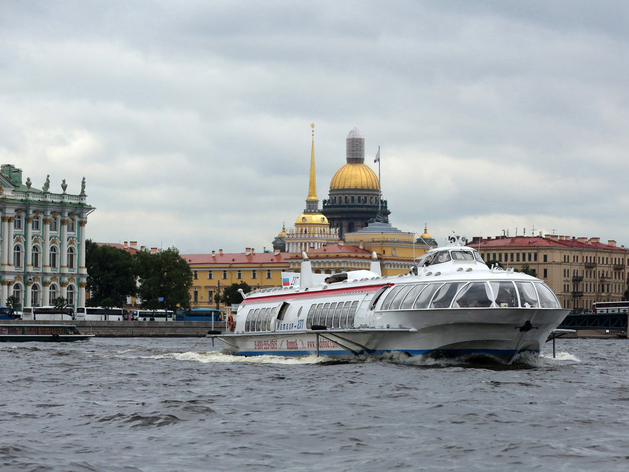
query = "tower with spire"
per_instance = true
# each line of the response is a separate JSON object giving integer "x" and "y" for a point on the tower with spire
{"x": 312, "y": 229}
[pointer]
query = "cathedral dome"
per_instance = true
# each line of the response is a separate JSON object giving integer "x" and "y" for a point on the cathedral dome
{"x": 354, "y": 176}
{"x": 311, "y": 219}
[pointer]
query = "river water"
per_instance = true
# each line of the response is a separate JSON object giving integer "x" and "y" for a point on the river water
{"x": 145, "y": 404}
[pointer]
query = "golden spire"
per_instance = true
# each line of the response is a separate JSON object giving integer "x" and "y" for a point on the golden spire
{"x": 312, "y": 189}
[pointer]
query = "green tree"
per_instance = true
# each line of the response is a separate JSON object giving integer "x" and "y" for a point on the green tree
{"x": 164, "y": 275}
{"x": 14, "y": 303}
{"x": 526, "y": 269}
{"x": 60, "y": 303}
{"x": 231, "y": 295}
{"x": 111, "y": 275}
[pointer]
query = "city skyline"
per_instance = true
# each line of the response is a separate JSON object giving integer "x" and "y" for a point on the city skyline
{"x": 191, "y": 123}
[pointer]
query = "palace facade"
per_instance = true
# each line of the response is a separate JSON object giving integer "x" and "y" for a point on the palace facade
{"x": 580, "y": 271}
{"x": 43, "y": 241}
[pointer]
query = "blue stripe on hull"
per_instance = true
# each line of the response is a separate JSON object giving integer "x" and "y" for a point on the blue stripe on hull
{"x": 502, "y": 354}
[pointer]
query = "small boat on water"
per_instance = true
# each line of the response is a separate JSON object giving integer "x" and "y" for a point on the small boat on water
{"x": 451, "y": 304}
{"x": 37, "y": 332}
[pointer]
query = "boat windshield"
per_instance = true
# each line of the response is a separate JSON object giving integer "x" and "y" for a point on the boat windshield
{"x": 462, "y": 256}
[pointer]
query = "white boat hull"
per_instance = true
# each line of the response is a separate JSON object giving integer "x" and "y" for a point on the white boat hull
{"x": 497, "y": 332}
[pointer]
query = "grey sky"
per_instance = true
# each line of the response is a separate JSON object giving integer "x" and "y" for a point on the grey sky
{"x": 191, "y": 120}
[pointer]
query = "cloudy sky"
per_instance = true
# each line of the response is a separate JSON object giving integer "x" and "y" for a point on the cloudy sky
{"x": 191, "y": 120}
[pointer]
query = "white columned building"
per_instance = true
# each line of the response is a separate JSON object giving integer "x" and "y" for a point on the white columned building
{"x": 43, "y": 241}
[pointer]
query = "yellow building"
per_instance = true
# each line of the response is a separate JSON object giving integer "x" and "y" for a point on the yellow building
{"x": 580, "y": 271}
{"x": 211, "y": 273}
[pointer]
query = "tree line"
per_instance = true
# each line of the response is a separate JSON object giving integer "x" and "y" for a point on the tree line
{"x": 161, "y": 280}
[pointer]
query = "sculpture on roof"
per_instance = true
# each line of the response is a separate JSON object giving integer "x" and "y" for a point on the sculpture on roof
{"x": 46, "y": 186}
{"x": 64, "y": 186}
{"x": 29, "y": 183}
{"x": 83, "y": 187}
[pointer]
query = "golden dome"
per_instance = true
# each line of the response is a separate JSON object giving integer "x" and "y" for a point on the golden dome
{"x": 283, "y": 232}
{"x": 311, "y": 219}
{"x": 359, "y": 176}
{"x": 426, "y": 235}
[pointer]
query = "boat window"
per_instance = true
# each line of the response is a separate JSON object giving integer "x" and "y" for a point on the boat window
{"x": 263, "y": 317}
{"x": 443, "y": 298}
{"x": 407, "y": 304}
{"x": 378, "y": 294}
{"x": 441, "y": 257}
{"x": 397, "y": 301}
{"x": 546, "y": 297}
{"x": 252, "y": 320}
{"x": 387, "y": 301}
{"x": 473, "y": 295}
{"x": 310, "y": 316}
{"x": 254, "y": 313}
{"x": 424, "y": 297}
{"x": 339, "y": 313}
{"x": 462, "y": 256}
{"x": 504, "y": 294}
{"x": 248, "y": 320}
{"x": 352, "y": 313}
{"x": 427, "y": 261}
{"x": 270, "y": 317}
{"x": 328, "y": 315}
{"x": 528, "y": 297}
{"x": 259, "y": 319}
{"x": 317, "y": 318}
{"x": 478, "y": 258}
{"x": 333, "y": 315}
{"x": 346, "y": 314}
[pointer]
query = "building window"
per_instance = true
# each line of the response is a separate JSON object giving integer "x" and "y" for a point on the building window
{"x": 254, "y": 274}
{"x": 52, "y": 294}
{"x": 517, "y": 257}
{"x": 17, "y": 223}
{"x": 53, "y": 258}
{"x": 35, "y": 295}
{"x": 71, "y": 225}
{"x": 545, "y": 273}
{"x": 35, "y": 257}
{"x": 195, "y": 296}
{"x": 209, "y": 296}
{"x": 545, "y": 257}
{"x": 70, "y": 295}
{"x": 71, "y": 258}
{"x": 268, "y": 274}
{"x": 239, "y": 275}
{"x": 224, "y": 275}
{"x": 210, "y": 276}
{"x": 535, "y": 257}
{"x": 17, "y": 292}
{"x": 17, "y": 256}
{"x": 195, "y": 275}
{"x": 35, "y": 223}
{"x": 54, "y": 224}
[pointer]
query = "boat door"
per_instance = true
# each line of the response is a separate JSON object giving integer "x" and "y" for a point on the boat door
{"x": 277, "y": 315}
{"x": 363, "y": 314}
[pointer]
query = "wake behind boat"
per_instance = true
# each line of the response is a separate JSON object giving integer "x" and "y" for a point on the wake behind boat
{"x": 450, "y": 304}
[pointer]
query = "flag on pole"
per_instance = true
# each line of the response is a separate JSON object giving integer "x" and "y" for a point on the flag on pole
{"x": 377, "y": 159}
